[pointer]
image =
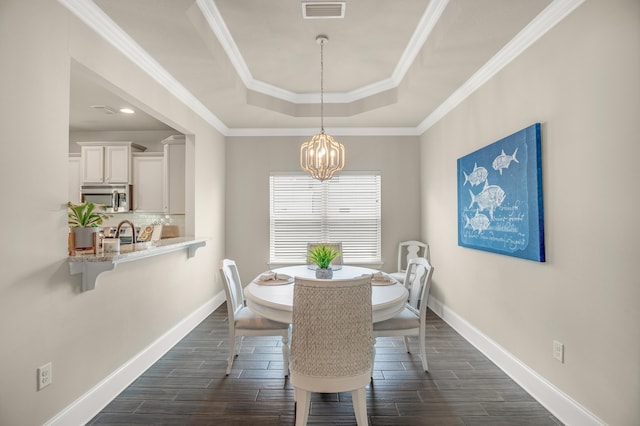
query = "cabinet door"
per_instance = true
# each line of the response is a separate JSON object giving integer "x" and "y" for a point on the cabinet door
{"x": 117, "y": 164}
{"x": 74, "y": 176}
{"x": 147, "y": 184}
{"x": 92, "y": 164}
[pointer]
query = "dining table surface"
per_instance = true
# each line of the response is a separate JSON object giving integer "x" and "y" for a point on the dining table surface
{"x": 272, "y": 298}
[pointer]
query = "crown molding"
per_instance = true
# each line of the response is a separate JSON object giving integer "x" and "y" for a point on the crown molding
{"x": 428, "y": 21}
{"x": 540, "y": 25}
{"x": 425, "y": 26}
{"x": 89, "y": 13}
{"x": 337, "y": 131}
{"x": 219, "y": 28}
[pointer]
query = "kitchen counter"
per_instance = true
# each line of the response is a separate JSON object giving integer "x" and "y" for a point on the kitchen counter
{"x": 92, "y": 265}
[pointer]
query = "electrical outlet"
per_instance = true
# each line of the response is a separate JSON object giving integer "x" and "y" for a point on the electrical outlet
{"x": 45, "y": 376}
{"x": 558, "y": 351}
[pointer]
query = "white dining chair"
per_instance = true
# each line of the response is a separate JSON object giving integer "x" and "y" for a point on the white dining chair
{"x": 412, "y": 320}
{"x": 331, "y": 341}
{"x": 244, "y": 322}
{"x": 408, "y": 250}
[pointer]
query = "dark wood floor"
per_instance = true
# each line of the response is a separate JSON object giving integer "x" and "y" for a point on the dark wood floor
{"x": 188, "y": 386}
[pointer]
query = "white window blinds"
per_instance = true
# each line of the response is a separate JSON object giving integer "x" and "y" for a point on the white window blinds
{"x": 343, "y": 209}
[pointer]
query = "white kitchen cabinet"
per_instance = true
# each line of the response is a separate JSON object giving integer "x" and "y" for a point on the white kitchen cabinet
{"x": 92, "y": 164}
{"x": 73, "y": 174}
{"x": 174, "y": 174}
{"x": 159, "y": 179}
{"x": 107, "y": 162}
{"x": 117, "y": 164}
{"x": 148, "y": 182}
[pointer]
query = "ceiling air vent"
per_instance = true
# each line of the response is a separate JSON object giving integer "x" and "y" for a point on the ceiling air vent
{"x": 105, "y": 109}
{"x": 323, "y": 9}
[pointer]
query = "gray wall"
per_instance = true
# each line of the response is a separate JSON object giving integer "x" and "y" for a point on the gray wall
{"x": 581, "y": 81}
{"x": 250, "y": 160}
{"x": 43, "y": 316}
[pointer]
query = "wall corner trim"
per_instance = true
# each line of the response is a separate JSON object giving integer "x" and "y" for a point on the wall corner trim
{"x": 560, "y": 404}
{"x": 83, "y": 409}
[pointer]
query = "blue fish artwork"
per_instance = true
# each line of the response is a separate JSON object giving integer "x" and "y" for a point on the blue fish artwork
{"x": 479, "y": 222}
{"x": 503, "y": 160}
{"x": 477, "y": 176}
{"x": 490, "y": 198}
{"x": 500, "y": 197}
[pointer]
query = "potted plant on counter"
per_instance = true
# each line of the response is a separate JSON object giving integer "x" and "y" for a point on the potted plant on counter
{"x": 322, "y": 255}
{"x": 84, "y": 221}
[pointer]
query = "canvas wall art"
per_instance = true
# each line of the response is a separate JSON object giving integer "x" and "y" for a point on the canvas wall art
{"x": 500, "y": 197}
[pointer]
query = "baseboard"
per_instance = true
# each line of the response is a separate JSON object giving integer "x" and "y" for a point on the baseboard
{"x": 561, "y": 405}
{"x": 93, "y": 401}
{"x": 557, "y": 402}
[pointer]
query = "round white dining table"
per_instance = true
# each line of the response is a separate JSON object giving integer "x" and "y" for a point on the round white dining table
{"x": 275, "y": 302}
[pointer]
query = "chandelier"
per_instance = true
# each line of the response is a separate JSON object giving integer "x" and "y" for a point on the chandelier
{"x": 322, "y": 156}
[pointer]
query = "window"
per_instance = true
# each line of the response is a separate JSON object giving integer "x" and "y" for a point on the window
{"x": 343, "y": 209}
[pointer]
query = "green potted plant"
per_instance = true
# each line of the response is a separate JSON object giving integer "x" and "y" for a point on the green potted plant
{"x": 84, "y": 221}
{"x": 322, "y": 255}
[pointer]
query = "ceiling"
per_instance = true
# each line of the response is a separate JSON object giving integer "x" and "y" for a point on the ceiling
{"x": 88, "y": 94}
{"x": 253, "y": 66}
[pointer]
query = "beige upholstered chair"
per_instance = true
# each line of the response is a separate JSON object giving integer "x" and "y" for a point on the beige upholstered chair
{"x": 412, "y": 320}
{"x": 337, "y": 262}
{"x": 243, "y": 322}
{"x": 331, "y": 342}
{"x": 408, "y": 250}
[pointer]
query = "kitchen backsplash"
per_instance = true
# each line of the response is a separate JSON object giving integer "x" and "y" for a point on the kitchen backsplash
{"x": 144, "y": 219}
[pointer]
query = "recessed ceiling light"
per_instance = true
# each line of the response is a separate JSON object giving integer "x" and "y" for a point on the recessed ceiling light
{"x": 127, "y": 111}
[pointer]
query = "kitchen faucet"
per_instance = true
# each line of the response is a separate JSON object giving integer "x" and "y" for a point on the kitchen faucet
{"x": 134, "y": 238}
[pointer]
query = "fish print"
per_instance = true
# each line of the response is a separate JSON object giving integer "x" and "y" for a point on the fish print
{"x": 503, "y": 160}
{"x": 478, "y": 223}
{"x": 476, "y": 177}
{"x": 489, "y": 198}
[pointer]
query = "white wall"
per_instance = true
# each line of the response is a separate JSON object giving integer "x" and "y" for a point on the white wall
{"x": 582, "y": 82}
{"x": 251, "y": 159}
{"x": 43, "y": 316}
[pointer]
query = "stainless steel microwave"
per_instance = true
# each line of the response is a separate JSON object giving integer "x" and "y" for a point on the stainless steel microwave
{"x": 114, "y": 198}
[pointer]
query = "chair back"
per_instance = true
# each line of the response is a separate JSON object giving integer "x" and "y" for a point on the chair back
{"x": 232, "y": 287}
{"x": 336, "y": 246}
{"x": 408, "y": 250}
{"x": 332, "y": 332}
{"x": 418, "y": 282}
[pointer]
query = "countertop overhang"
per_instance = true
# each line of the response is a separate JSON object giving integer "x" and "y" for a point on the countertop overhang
{"x": 92, "y": 265}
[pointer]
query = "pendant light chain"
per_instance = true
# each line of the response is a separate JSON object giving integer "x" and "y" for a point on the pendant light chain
{"x": 322, "y": 156}
{"x": 322, "y": 86}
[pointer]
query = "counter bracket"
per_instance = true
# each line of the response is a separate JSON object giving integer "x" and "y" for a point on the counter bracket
{"x": 91, "y": 267}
